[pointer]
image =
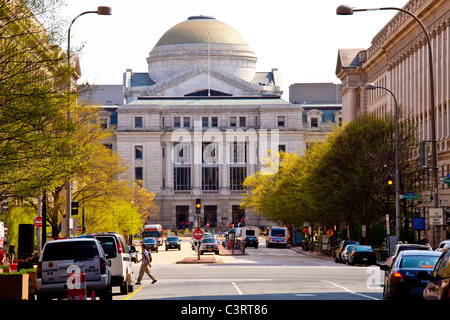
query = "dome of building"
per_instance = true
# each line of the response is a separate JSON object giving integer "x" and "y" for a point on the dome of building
{"x": 201, "y": 29}
{"x": 201, "y": 42}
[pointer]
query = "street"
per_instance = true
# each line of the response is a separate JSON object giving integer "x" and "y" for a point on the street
{"x": 261, "y": 274}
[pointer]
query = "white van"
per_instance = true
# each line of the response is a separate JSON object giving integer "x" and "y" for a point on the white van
{"x": 277, "y": 236}
{"x": 58, "y": 256}
{"x": 116, "y": 250}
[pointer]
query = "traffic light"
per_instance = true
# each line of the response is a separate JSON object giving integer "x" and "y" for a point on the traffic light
{"x": 198, "y": 205}
{"x": 74, "y": 208}
{"x": 390, "y": 179}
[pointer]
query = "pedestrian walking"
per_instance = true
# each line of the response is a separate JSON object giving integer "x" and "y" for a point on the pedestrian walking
{"x": 145, "y": 265}
{"x": 12, "y": 252}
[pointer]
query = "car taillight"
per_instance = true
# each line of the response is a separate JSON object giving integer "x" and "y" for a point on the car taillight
{"x": 119, "y": 248}
{"x": 397, "y": 277}
{"x": 39, "y": 270}
{"x": 103, "y": 266}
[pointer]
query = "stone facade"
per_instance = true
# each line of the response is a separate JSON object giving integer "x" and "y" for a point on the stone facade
{"x": 398, "y": 61}
{"x": 201, "y": 120}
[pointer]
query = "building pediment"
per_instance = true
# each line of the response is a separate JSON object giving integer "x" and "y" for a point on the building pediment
{"x": 201, "y": 79}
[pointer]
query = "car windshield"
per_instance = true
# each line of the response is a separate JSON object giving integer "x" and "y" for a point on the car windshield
{"x": 418, "y": 262}
{"x": 172, "y": 239}
{"x": 363, "y": 248}
{"x": 403, "y": 248}
{"x": 251, "y": 238}
{"x": 108, "y": 244}
{"x": 209, "y": 240}
{"x": 277, "y": 232}
{"x": 149, "y": 240}
{"x": 75, "y": 250}
{"x": 348, "y": 248}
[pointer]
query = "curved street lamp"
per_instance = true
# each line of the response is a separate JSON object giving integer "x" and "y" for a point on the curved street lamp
{"x": 371, "y": 86}
{"x": 103, "y": 11}
{"x": 348, "y": 10}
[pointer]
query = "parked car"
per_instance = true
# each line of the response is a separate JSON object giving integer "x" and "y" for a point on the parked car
{"x": 152, "y": 244}
{"x": 362, "y": 255}
{"x": 209, "y": 245}
{"x": 133, "y": 253}
{"x": 401, "y": 281}
{"x": 251, "y": 242}
{"x": 345, "y": 252}
{"x": 338, "y": 253}
{"x": 85, "y": 254}
{"x": 438, "y": 287}
{"x": 401, "y": 247}
{"x": 173, "y": 242}
{"x": 116, "y": 249}
{"x": 444, "y": 245}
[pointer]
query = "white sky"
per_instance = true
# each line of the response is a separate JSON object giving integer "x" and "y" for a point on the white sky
{"x": 300, "y": 38}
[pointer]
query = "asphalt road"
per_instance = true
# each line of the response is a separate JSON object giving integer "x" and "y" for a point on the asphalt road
{"x": 262, "y": 274}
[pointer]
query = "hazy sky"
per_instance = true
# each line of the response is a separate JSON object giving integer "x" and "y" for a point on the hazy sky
{"x": 300, "y": 38}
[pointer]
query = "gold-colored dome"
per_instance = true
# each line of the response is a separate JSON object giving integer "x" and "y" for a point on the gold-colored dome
{"x": 201, "y": 29}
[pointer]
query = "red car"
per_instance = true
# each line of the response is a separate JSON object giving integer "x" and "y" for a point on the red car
{"x": 438, "y": 287}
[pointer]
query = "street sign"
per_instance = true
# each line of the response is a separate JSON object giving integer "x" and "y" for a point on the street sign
{"x": 38, "y": 222}
{"x": 198, "y": 234}
{"x": 436, "y": 216}
{"x": 418, "y": 223}
{"x": 409, "y": 196}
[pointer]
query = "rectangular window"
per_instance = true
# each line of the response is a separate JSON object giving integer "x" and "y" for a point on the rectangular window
{"x": 138, "y": 123}
{"x": 237, "y": 177}
{"x": 138, "y": 173}
{"x": 176, "y": 122}
{"x": 281, "y": 121}
{"x": 238, "y": 153}
{"x": 210, "y": 152}
{"x": 232, "y": 121}
{"x": 210, "y": 178}
{"x": 186, "y": 122}
{"x": 214, "y": 122}
{"x": 281, "y": 147}
{"x": 181, "y": 153}
{"x": 138, "y": 151}
{"x": 205, "y": 121}
{"x": 242, "y": 121}
{"x": 314, "y": 123}
{"x": 182, "y": 178}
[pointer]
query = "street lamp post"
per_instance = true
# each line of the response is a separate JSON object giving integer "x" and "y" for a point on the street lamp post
{"x": 104, "y": 11}
{"x": 371, "y": 86}
{"x": 347, "y": 10}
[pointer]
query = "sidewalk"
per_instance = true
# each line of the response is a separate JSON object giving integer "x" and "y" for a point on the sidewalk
{"x": 312, "y": 253}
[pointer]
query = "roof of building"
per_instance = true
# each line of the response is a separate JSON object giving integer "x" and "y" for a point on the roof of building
{"x": 208, "y": 101}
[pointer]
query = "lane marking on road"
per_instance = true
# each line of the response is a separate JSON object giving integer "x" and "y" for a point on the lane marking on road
{"x": 350, "y": 291}
{"x": 136, "y": 291}
{"x": 237, "y": 289}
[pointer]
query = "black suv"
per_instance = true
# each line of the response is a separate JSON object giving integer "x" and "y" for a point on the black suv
{"x": 251, "y": 242}
{"x": 173, "y": 242}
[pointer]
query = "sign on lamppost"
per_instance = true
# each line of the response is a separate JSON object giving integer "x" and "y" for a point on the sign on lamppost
{"x": 409, "y": 196}
{"x": 436, "y": 216}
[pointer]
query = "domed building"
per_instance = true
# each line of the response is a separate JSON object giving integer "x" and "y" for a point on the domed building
{"x": 200, "y": 120}
{"x": 201, "y": 56}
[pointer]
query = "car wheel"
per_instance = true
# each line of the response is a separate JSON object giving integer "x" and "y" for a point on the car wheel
{"x": 106, "y": 294}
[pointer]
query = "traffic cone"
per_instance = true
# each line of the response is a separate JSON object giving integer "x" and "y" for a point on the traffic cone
{"x": 93, "y": 297}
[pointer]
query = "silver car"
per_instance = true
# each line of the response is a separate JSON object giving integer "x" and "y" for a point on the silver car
{"x": 58, "y": 257}
{"x": 209, "y": 245}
